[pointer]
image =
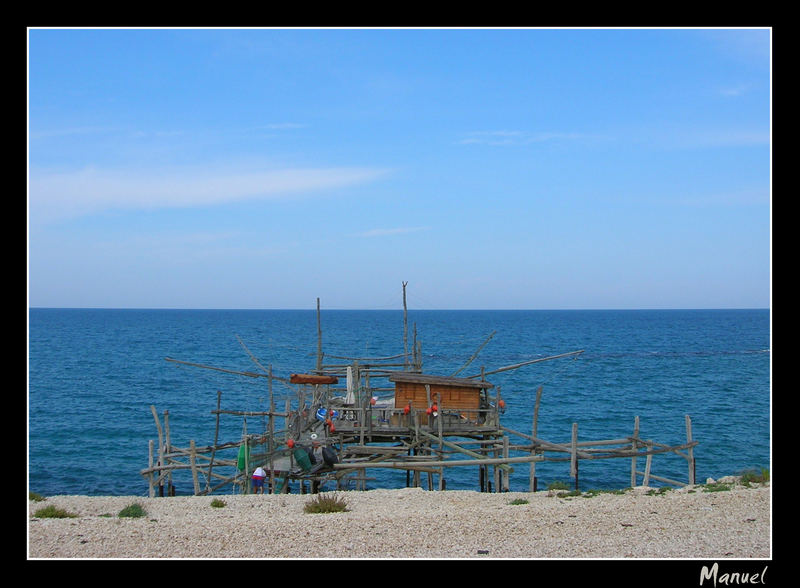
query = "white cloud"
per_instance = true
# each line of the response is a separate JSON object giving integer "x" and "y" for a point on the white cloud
{"x": 733, "y": 91}
{"x": 70, "y": 132}
{"x": 54, "y": 195}
{"x": 504, "y": 137}
{"x": 395, "y": 231}
{"x": 287, "y": 125}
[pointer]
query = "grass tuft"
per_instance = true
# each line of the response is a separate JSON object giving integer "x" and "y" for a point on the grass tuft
{"x": 558, "y": 485}
{"x": 134, "y": 510}
{"x": 323, "y": 503}
{"x": 753, "y": 477}
{"x": 597, "y": 491}
{"x": 51, "y": 512}
{"x": 716, "y": 487}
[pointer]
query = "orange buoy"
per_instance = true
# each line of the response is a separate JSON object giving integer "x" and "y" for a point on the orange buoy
{"x": 290, "y": 443}
{"x": 407, "y": 409}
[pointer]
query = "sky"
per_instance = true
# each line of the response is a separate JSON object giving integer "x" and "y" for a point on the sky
{"x": 489, "y": 168}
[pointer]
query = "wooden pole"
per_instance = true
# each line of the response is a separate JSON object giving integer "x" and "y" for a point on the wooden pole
{"x": 474, "y": 355}
{"x": 648, "y": 462}
{"x": 532, "y": 483}
{"x": 457, "y": 447}
{"x": 634, "y": 446}
{"x": 319, "y": 340}
{"x": 505, "y": 476}
{"x": 441, "y": 449}
{"x": 405, "y": 326}
{"x": 573, "y": 466}
{"x": 524, "y": 363}
{"x": 690, "y": 450}
{"x": 216, "y": 440}
{"x": 271, "y": 440}
{"x": 168, "y": 446}
{"x": 160, "y": 448}
{"x": 407, "y": 465}
{"x": 497, "y": 472}
{"x": 150, "y": 463}
{"x": 193, "y": 464}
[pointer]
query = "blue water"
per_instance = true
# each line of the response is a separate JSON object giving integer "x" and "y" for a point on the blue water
{"x": 94, "y": 373}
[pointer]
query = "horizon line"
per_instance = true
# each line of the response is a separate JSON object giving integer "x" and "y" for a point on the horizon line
{"x": 394, "y": 309}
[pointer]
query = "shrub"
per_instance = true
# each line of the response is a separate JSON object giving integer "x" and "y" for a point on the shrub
{"x": 658, "y": 491}
{"x": 716, "y": 487}
{"x": 325, "y": 504}
{"x": 558, "y": 485}
{"x": 218, "y": 503}
{"x": 35, "y": 497}
{"x": 597, "y": 491}
{"x": 134, "y": 510}
{"x": 519, "y": 501}
{"x": 754, "y": 477}
{"x": 51, "y": 512}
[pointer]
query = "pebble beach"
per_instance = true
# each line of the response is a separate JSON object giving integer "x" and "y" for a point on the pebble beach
{"x": 413, "y": 523}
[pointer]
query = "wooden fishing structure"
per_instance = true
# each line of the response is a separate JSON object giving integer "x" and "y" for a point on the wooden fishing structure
{"x": 388, "y": 414}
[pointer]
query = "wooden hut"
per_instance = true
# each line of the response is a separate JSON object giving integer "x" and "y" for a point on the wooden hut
{"x": 462, "y": 398}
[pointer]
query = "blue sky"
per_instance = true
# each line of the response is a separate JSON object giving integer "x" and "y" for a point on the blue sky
{"x": 488, "y": 168}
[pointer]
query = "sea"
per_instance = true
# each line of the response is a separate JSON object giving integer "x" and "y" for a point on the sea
{"x": 96, "y": 375}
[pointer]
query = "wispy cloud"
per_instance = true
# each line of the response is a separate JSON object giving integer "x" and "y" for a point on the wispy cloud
{"x": 285, "y": 125}
{"x": 738, "y": 198}
{"x": 506, "y": 137}
{"x": 733, "y": 91}
{"x": 395, "y": 231}
{"x": 70, "y": 131}
{"x": 54, "y": 195}
{"x": 712, "y": 138}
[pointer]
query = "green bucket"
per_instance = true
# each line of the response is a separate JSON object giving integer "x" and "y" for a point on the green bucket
{"x": 301, "y": 456}
{"x": 244, "y": 456}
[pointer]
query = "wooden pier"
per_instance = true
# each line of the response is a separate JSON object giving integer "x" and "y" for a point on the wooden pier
{"x": 388, "y": 415}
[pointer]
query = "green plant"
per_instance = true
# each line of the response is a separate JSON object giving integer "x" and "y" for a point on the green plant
{"x": 51, "y": 512}
{"x": 558, "y": 485}
{"x": 134, "y": 510}
{"x": 753, "y": 477}
{"x": 716, "y": 487}
{"x": 519, "y": 501}
{"x": 595, "y": 492}
{"x": 218, "y": 503}
{"x": 35, "y": 497}
{"x": 325, "y": 504}
{"x": 659, "y": 491}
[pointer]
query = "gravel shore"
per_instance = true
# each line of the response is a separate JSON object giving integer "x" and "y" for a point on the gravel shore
{"x": 413, "y": 523}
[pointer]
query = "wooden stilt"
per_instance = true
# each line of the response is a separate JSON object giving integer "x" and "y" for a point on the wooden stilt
{"x": 193, "y": 464}
{"x": 573, "y": 466}
{"x": 648, "y": 462}
{"x": 634, "y": 443}
{"x": 532, "y": 478}
{"x": 690, "y": 450}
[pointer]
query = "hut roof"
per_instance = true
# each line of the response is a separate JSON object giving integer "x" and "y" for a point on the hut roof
{"x": 439, "y": 380}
